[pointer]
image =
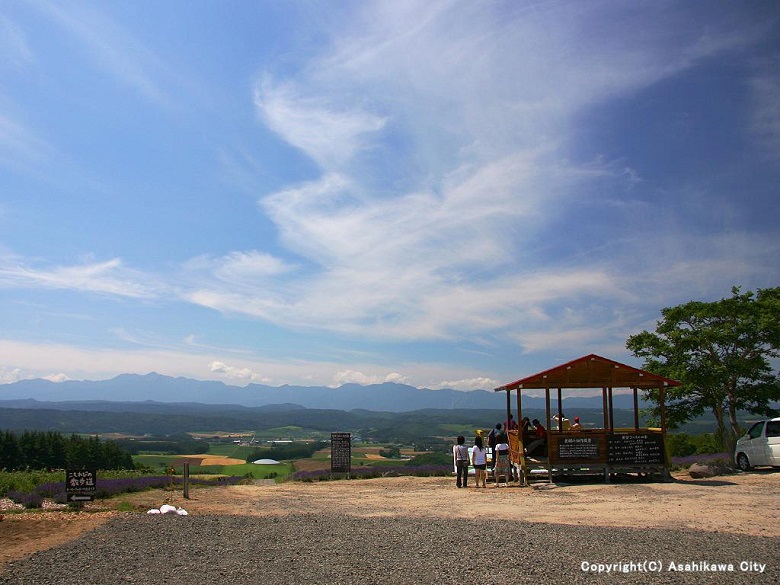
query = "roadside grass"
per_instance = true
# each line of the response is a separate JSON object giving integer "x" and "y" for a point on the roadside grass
{"x": 30, "y": 488}
{"x": 27, "y": 481}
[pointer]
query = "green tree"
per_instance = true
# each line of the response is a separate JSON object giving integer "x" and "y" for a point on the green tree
{"x": 391, "y": 452}
{"x": 430, "y": 459}
{"x": 11, "y": 456}
{"x": 722, "y": 352}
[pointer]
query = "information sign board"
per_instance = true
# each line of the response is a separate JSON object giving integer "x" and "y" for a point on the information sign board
{"x": 635, "y": 449}
{"x": 578, "y": 448}
{"x": 340, "y": 452}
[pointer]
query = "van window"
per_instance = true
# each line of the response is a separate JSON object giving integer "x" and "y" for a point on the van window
{"x": 755, "y": 430}
{"x": 773, "y": 428}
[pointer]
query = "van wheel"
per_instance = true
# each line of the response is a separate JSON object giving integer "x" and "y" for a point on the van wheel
{"x": 743, "y": 462}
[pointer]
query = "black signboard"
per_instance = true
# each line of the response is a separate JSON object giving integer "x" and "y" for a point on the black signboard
{"x": 639, "y": 449}
{"x": 578, "y": 448}
{"x": 80, "y": 481}
{"x": 340, "y": 452}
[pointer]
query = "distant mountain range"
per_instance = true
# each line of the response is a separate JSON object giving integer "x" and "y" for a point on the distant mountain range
{"x": 387, "y": 397}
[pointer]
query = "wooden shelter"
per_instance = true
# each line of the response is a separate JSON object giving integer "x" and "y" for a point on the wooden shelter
{"x": 606, "y": 450}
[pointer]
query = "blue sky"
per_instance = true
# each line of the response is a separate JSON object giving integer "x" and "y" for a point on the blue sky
{"x": 445, "y": 194}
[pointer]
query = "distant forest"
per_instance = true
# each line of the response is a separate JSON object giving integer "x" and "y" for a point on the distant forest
{"x": 418, "y": 427}
{"x": 51, "y": 450}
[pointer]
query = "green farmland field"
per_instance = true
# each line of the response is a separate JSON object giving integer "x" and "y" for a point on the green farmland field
{"x": 157, "y": 462}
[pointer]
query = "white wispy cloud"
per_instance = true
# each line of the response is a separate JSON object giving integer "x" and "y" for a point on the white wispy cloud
{"x": 48, "y": 360}
{"x": 447, "y": 137}
{"x": 353, "y": 377}
{"x": 21, "y": 148}
{"x": 233, "y": 373}
{"x": 470, "y": 384}
{"x": 9, "y": 375}
{"x": 14, "y": 48}
{"x": 483, "y": 113}
{"x": 109, "y": 277}
{"x": 330, "y": 134}
{"x": 765, "y": 89}
{"x": 117, "y": 52}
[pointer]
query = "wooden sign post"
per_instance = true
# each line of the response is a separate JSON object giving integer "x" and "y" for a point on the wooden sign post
{"x": 80, "y": 485}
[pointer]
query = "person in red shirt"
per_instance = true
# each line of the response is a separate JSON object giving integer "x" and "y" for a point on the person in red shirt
{"x": 540, "y": 439}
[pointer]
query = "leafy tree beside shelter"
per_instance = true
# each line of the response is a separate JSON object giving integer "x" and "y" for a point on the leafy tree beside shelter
{"x": 723, "y": 353}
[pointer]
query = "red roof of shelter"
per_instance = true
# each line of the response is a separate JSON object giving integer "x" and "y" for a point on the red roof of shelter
{"x": 591, "y": 371}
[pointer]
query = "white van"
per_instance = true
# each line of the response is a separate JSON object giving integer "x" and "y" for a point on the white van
{"x": 759, "y": 446}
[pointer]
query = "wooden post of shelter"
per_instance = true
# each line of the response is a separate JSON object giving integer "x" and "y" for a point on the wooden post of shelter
{"x": 521, "y": 449}
{"x": 547, "y": 422}
{"x": 667, "y": 455}
{"x": 636, "y": 409}
{"x": 187, "y": 480}
{"x": 519, "y": 413}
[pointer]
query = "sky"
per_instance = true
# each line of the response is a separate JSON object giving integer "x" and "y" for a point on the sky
{"x": 437, "y": 193}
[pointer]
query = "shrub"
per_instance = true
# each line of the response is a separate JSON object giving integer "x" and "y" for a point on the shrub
{"x": 724, "y": 458}
{"x": 28, "y": 500}
{"x": 26, "y": 481}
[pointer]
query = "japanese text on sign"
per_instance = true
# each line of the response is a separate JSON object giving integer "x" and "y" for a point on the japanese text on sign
{"x": 80, "y": 480}
{"x": 578, "y": 448}
{"x": 340, "y": 452}
{"x": 635, "y": 449}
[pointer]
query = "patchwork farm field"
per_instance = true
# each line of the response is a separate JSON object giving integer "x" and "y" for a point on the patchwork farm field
{"x": 230, "y": 459}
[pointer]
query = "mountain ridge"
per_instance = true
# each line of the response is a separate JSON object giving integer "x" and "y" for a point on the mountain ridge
{"x": 157, "y": 388}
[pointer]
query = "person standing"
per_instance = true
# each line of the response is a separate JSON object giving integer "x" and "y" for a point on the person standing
{"x": 527, "y": 430}
{"x": 502, "y": 459}
{"x": 492, "y": 444}
{"x": 461, "y": 454}
{"x": 561, "y": 422}
{"x": 479, "y": 461}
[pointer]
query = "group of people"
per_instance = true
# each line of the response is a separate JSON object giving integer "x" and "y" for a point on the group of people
{"x": 534, "y": 437}
{"x": 498, "y": 443}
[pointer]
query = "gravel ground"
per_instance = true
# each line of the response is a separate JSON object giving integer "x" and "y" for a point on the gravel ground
{"x": 333, "y": 549}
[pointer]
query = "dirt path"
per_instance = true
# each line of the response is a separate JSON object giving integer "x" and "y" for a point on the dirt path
{"x": 738, "y": 504}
